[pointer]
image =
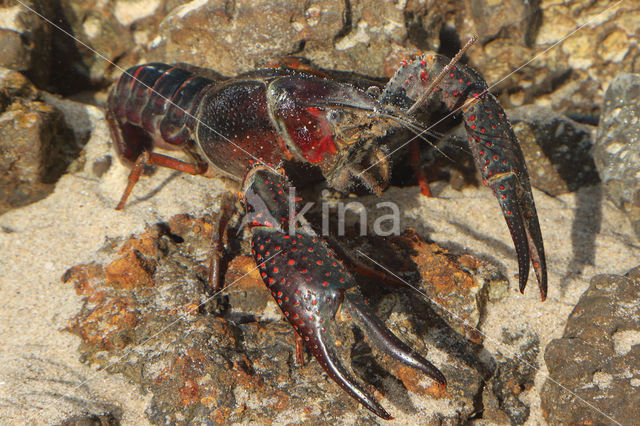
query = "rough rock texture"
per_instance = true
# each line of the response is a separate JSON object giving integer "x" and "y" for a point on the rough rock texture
{"x": 572, "y": 75}
{"x": 35, "y": 143}
{"x": 617, "y": 151}
{"x": 515, "y": 371}
{"x": 594, "y": 368}
{"x": 25, "y": 39}
{"x": 557, "y": 149}
{"x": 230, "y": 357}
{"x": 158, "y": 283}
{"x": 367, "y": 37}
{"x": 46, "y": 383}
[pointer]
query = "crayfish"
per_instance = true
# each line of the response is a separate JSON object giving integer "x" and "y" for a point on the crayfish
{"x": 248, "y": 126}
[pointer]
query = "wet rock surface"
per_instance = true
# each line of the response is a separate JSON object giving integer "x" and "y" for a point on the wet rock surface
{"x": 593, "y": 368}
{"x": 231, "y": 358}
{"x": 617, "y": 151}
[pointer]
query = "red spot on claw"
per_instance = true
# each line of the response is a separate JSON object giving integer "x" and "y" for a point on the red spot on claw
{"x": 292, "y": 262}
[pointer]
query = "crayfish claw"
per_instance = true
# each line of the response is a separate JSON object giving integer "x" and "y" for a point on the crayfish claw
{"x": 384, "y": 340}
{"x": 501, "y": 163}
{"x": 493, "y": 143}
{"x": 318, "y": 344}
{"x": 310, "y": 283}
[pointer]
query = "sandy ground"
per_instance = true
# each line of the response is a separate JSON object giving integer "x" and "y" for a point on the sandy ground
{"x": 41, "y": 377}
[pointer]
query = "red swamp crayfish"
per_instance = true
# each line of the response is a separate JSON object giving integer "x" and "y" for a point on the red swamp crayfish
{"x": 248, "y": 126}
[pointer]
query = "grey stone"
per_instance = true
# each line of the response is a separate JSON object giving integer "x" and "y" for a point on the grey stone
{"x": 557, "y": 149}
{"x": 594, "y": 373}
{"x": 515, "y": 371}
{"x": 617, "y": 150}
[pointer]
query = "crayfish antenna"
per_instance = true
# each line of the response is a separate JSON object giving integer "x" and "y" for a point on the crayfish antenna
{"x": 436, "y": 81}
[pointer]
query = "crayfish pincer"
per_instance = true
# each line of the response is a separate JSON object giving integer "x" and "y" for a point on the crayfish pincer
{"x": 310, "y": 283}
{"x": 246, "y": 127}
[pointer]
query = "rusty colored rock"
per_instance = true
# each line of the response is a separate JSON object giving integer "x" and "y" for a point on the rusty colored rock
{"x": 131, "y": 270}
{"x": 146, "y": 244}
{"x": 230, "y": 357}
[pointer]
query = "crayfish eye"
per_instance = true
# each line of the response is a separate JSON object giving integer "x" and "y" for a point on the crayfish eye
{"x": 333, "y": 116}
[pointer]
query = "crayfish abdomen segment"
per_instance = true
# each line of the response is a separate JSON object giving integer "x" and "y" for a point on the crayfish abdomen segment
{"x": 159, "y": 101}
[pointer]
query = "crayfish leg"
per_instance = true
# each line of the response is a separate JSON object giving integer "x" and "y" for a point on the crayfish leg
{"x": 414, "y": 162}
{"x": 216, "y": 251}
{"x": 299, "y": 349}
{"x": 147, "y": 158}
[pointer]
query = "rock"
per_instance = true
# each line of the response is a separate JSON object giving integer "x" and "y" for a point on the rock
{"x": 366, "y": 37}
{"x": 515, "y": 372}
{"x": 518, "y": 19}
{"x": 557, "y": 149}
{"x": 240, "y": 35}
{"x": 572, "y": 75}
{"x": 92, "y": 420}
{"x": 35, "y": 143}
{"x": 98, "y": 37}
{"x": 457, "y": 286}
{"x": 25, "y": 39}
{"x": 229, "y": 358}
{"x": 593, "y": 369}
{"x": 617, "y": 150}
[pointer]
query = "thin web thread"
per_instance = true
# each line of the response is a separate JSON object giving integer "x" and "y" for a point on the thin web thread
{"x": 261, "y": 162}
{"x": 187, "y": 113}
{"x": 469, "y": 102}
{"x": 519, "y": 358}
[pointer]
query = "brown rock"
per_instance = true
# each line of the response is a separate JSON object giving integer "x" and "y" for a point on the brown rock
{"x": 35, "y": 143}
{"x": 25, "y": 39}
{"x": 131, "y": 270}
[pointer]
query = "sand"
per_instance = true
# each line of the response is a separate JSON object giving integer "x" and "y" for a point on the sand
{"x": 41, "y": 377}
